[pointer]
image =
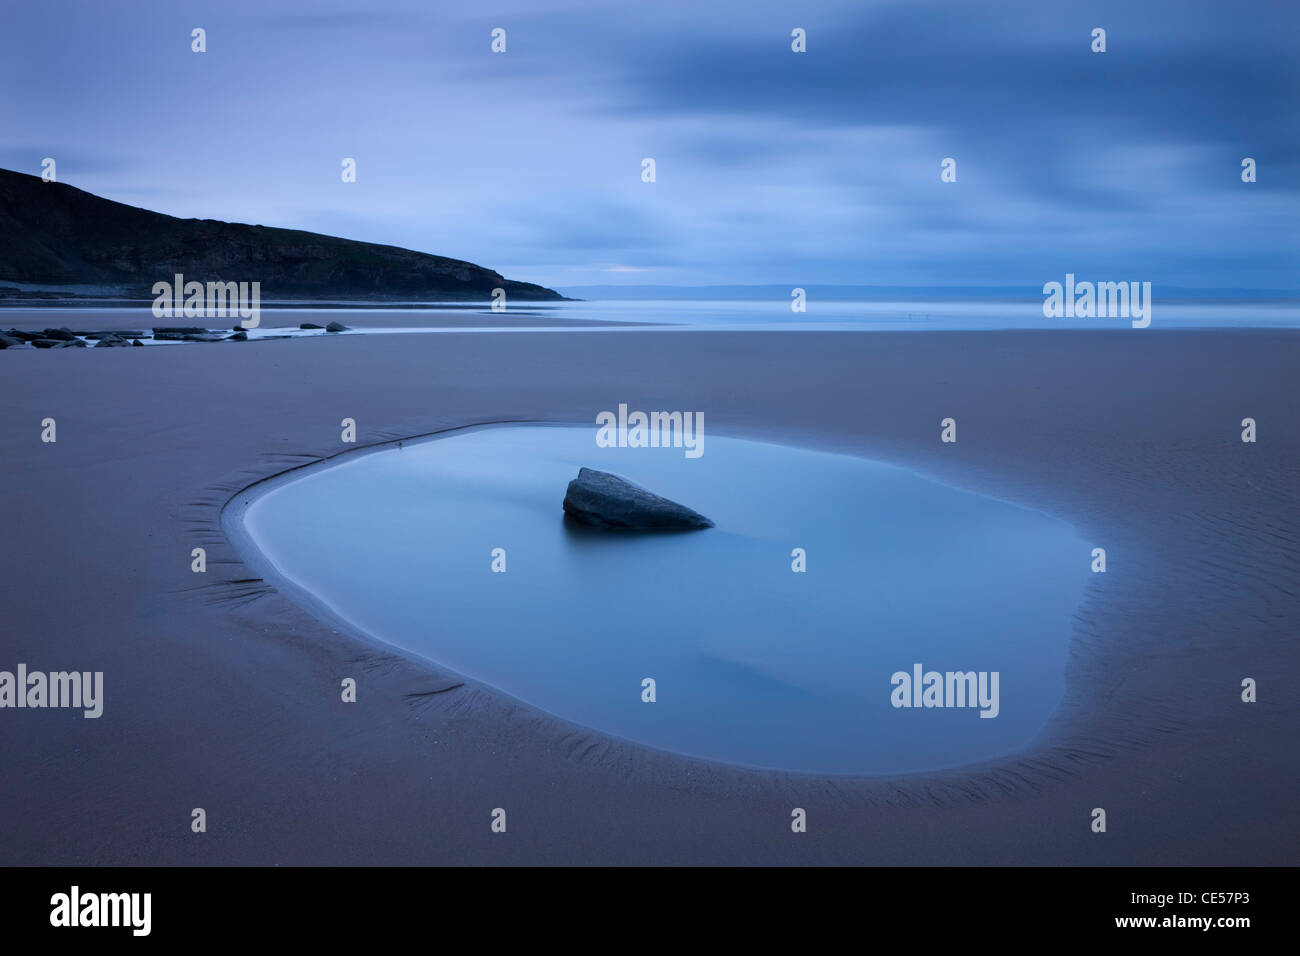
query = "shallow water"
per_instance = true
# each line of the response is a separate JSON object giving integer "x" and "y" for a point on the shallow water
{"x": 753, "y": 663}
{"x": 766, "y": 314}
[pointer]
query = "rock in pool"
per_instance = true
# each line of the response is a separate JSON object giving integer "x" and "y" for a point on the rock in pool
{"x": 602, "y": 500}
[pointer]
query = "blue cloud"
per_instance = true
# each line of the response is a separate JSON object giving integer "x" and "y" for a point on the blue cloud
{"x": 773, "y": 166}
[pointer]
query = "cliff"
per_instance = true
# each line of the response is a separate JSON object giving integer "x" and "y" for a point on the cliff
{"x": 53, "y": 235}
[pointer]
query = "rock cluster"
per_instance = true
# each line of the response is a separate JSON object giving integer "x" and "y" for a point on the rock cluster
{"x": 116, "y": 338}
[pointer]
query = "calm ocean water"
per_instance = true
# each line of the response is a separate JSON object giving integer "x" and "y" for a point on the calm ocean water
{"x": 712, "y": 314}
{"x": 921, "y": 315}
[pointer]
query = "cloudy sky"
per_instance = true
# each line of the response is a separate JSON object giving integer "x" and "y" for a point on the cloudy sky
{"x": 772, "y": 166}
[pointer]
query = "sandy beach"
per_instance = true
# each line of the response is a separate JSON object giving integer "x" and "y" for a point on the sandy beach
{"x": 222, "y": 693}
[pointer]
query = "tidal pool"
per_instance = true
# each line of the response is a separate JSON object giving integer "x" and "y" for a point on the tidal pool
{"x": 752, "y": 663}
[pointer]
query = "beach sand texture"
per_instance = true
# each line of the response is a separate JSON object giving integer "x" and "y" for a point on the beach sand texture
{"x": 222, "y": 693}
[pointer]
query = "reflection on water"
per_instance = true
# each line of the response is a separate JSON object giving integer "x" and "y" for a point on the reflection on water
{"x": 752, "y": 663}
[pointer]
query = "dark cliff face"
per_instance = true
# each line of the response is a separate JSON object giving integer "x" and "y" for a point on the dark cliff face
{"x": 53, "y": 234}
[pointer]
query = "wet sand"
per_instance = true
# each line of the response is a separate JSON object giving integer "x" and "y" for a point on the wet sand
{"x": 222, "y": 693}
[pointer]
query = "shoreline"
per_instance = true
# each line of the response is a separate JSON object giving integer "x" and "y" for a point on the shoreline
{"x": 421, "y": 754}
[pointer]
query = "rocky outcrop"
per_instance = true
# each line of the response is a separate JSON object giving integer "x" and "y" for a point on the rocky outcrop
{"x": 601, "y": 500}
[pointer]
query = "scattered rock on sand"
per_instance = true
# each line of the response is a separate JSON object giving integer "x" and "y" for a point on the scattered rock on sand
{"x": 114, "y": 334}
{"x": 137, "y": 342}
{"x": 606, "y": 501}
{"x": 116, "y": 338}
